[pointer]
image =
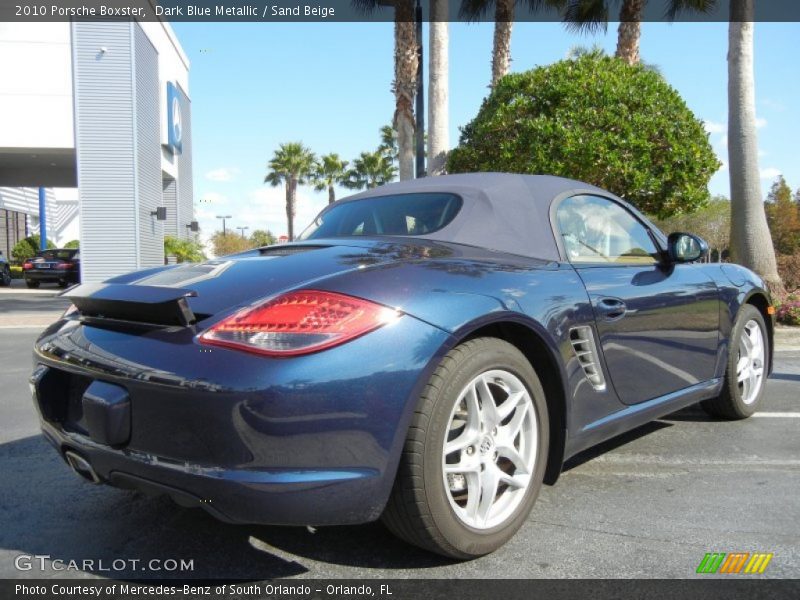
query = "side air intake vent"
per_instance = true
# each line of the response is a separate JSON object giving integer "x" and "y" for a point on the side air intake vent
{"x": 583, "y": 344}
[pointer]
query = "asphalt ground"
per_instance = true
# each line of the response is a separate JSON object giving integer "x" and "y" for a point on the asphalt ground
{"x": 648, "y": 504}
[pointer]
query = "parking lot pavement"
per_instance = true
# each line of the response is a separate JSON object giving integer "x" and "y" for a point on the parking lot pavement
{"x": 21, "y": 307}
{"x": 648, "y": 504}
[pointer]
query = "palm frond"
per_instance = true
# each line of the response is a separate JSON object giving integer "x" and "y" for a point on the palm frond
{"x": 589, "y": 16}
{"x": 676, "y": 7}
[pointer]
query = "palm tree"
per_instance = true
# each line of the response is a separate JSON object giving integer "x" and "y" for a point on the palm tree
{"x": 593, "y": 15}
{"x": 292, "y": 164}
{"x": 474, "y": 10}
{"x": 329, "y": 171}
{"x": 370, "y": 170}
{"x": 388, "y": 143}
{"x": 438, "y": 113}
{"x": 751, "y": 244}
{"x": 405, "y": 76}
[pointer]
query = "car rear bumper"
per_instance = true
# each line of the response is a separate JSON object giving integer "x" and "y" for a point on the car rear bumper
{"x": 50, "y": 275}
{"x": 312, "y": 440}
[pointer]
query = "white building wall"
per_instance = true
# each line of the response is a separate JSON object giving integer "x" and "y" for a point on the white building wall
{"x": 35, "y": 86}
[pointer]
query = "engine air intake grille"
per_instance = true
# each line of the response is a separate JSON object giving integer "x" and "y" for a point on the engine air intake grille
{"x": 583, "y": 343}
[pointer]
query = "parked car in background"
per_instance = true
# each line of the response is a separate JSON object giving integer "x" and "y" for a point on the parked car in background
{"x": 5, "y": 270}
{"x": 61, "y": 266}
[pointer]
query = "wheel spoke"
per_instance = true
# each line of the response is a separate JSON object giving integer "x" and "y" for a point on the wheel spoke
{"x": 508, "y": 433}
{"x": 507, "y": 407}
{"x": 488, "y": 407}
{"x": 473, "y": 495}
{"x": 511, "y": 453}
{"x": 743, "y": 374}
{"x": 490, "y": 480}
{"x": 465, "y": 466}
{"x": 515, "y": 481}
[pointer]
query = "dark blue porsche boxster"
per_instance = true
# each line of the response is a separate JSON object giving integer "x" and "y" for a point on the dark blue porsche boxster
{"x": 428, "y": 353}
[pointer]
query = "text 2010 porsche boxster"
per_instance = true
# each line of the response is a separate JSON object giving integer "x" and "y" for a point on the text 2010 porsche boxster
{"x": 429, "y": 352}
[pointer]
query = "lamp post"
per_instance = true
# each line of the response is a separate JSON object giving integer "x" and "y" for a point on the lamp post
{"x": 242, "y": 229}
{"x": 420, "y": 107}
{"x": 224, "y": 217}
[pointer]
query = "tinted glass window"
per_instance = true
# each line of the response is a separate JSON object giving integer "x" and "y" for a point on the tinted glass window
{"x": 597, "y": 230}
{"x": 403, "y": 214}
{"x": 58, "y": 254}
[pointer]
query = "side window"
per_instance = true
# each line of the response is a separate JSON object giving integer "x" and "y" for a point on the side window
{"x": 597, "y": 230}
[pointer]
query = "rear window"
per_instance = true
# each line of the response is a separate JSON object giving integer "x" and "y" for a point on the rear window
{"x": 403, "y": 214}
{"x": 58, "y": 254}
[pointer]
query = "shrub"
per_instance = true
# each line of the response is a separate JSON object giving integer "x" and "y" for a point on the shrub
{"x": 789, "y": 270}
{"x": 788, "y": 312}
{"x": 28, "y": 248}
{"x": 598, "y": 119}
{"x": 72, "y": 244}
{"x": 183, "y": 250}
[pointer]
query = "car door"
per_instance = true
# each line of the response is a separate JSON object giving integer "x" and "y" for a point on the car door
{"x": 657, "y": 323}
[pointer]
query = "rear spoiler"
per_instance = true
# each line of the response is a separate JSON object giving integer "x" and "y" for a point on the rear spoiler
{"x": 147, "y": 304}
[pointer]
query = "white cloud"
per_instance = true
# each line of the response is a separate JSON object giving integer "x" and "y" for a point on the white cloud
{"x": 222, "y": 174}
{"x": 715, "y": 127}
{"x": 770, "y": 173}
{"x": 760, "y": 122}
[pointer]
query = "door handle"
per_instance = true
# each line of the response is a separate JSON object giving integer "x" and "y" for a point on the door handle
{"x": 611, "y": 309}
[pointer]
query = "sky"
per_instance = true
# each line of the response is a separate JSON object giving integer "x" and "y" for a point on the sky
{"x": 255, "y": 86}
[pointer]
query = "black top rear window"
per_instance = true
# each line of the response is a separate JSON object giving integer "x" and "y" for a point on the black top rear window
{"x": 403, "y": 214}
{"x": 58, "y": 254}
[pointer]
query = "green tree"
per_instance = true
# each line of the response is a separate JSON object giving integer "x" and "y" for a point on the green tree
{"x": 183, "y": 250}
{"x": 370, "y": 170}
{"x": 388, "y": 145}
{"x": 783, "y": 217}
{"x": 598, "y": 119}
{"x": 72, "y": 244}
{"x": 260, "y": 238}
{"x": 229, "y": 244}
{"x": 28, "y": 247}
{"x": 593, "y": 15}
{"x": 712, "y": 223}
{"x": 329, "y": 171}
{"x": 404, "y": 85}
{"x": 291, "y": 165}
{"x": 750, "y": 238}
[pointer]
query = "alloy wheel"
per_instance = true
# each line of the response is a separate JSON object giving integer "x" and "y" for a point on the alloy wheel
{"x": 750, "y": 364}
{"x": 490, "y": 449}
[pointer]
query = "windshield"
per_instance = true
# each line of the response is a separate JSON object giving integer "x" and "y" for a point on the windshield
{"x": 403, "y": 214}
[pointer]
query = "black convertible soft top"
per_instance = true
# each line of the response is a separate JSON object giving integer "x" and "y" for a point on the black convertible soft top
{"x": 501, "y": 211}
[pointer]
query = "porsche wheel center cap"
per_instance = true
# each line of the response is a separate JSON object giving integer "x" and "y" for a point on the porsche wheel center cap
{"x": 487, "y": 445}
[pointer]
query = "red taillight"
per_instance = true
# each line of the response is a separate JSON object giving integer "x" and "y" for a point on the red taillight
{"x": 64, "y": 265}
{"x": 27, "y": 265}
{"x": 299, "y": 323}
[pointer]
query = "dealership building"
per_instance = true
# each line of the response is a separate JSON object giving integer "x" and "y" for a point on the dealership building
{"x": 95, "y": 128}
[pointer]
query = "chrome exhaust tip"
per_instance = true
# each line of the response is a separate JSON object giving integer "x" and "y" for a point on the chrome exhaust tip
{"x": 81, "y": 466}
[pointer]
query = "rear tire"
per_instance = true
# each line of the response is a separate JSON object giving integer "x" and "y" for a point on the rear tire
{"x": 32, "y": 284}
{"x": 746, "y": 372}
{"x": 62, "y": 283}
{"x": 501, "y": 446}
{"x": 5, "y": 276}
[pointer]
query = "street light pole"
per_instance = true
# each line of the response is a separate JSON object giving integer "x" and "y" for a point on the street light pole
{"x": 420, "y": 107}
{"x": 224, "y": 217}
{"x": 242, "y": 229}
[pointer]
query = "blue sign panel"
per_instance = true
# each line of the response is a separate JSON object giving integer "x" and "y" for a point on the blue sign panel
{"x": 174, "y": 119}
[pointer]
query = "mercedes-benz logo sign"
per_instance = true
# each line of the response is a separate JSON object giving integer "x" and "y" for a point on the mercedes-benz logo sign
{"x": 177, "y": 125}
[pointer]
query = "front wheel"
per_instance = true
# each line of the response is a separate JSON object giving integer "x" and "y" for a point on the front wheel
{"x": 746, "y": 371}
{"x": 475, "y": 455}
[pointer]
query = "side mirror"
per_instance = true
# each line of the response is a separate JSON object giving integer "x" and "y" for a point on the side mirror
{"x": 685, "y": 247}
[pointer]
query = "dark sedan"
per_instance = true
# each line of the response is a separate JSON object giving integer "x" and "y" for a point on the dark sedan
{"x": 429, "y": 353}
{"x": 61, "y": 266}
